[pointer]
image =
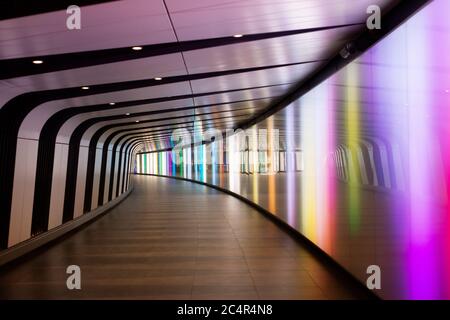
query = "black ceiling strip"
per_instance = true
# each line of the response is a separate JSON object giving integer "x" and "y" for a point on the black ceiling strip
{"x": 22, "y": 8}
{"x": 391, "y": 20}
{"x": 19, "y": 67}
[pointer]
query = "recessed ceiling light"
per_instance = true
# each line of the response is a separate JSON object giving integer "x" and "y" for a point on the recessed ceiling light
{"x": 38, "y": 61}
{"x": 238, "y": 35}
{"x": 127, "y": 114}
{"x": 446, "y": 91}
{"x": 112, "y": 103}
{"x": 136, "y": 48}
{"x": 85, "y": 88}
{"x": 158, "y": 78}
{"x": 137, "y": 120}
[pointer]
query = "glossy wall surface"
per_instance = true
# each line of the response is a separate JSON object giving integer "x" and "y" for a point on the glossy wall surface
{"x": 360, "y": 165}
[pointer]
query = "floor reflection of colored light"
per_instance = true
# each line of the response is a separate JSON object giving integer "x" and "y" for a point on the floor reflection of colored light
{"x": 353, "y": 135}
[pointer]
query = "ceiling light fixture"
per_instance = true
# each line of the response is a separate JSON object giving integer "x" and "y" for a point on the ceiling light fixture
{"x": 238, "y": 35}
{"x": 112, "y": 103}
{"x": 136, "y": 48}
{"x": 158, "y": 78}
{"x": 137, "y": 121}
{"x": 38, "y": 61}
{"x": 84, "y": 88}
{"x": 127, "y": 114}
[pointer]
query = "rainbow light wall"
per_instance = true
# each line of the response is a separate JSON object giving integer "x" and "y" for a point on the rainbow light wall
{"x": 360, "y": 165}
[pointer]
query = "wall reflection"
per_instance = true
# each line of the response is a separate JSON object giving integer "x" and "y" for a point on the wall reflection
{"x": 362, "y": 163}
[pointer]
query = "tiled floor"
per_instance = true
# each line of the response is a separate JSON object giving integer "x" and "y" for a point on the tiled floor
{"x": 173, "y": 239}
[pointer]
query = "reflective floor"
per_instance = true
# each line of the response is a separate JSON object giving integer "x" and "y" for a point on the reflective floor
{"x": 173, "y": 239}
